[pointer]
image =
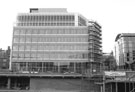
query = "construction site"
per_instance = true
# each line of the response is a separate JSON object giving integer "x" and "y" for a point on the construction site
{"x": 57, "y": 51}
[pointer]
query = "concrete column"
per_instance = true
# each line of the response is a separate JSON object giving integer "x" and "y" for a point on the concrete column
{"x": 8, "y": 83}
{"x": 129, "y": 87}
{"x": 26, "y": 66}
{"x": 111, "y": 87}
{"x": 101, "y": 88}
{"x": 133, "y": 85}
{"x": 116, "y": 84}
{"x": 104, "y": 86}
{"x": 74, "y": 67}
{"x": 42, "y": 66}
{"x": 125, "y": 87}
{"x": 58, "y": 67}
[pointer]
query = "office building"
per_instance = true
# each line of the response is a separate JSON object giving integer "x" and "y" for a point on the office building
{"x": 53, "y": 40}
{"x": 125, "y": 50}
{"x": 51, "y": 48}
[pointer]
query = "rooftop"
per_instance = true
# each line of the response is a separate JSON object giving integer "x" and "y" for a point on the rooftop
{"x": 124, "y": 35}
{"x": 46, "y": 10}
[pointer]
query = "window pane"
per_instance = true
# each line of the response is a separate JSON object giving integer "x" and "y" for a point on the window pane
{"x": 15, "y": 56}
{"x": 21, "y": 47}
{"x": 34, "y": 31}
{"x": 16, "y": 39}
{"x": 27, "y": 56}
{"x": 34, "y": 39}
{"x": 16, "y": 31}
{"x": 28, "y": 31}
{"x": 40, "y": 47}
{"x": 27, "y": 47}
{"x": 22, "y": 31}
{"x": 15, "y": 47}
{"x": 21, "y": 55}
{"x": 34, "y": 48}
{"x": 33, "y": 56}
{"x": 28, "y": 39}
{"x": 41, "y": 31}
{"x": 22, "y": 39}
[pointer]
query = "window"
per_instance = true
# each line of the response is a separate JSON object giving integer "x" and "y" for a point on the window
{"x": 40, "y": 47}
{"x": 127, "y": 59}
{"x": 28, "y": 32}
{"x": 33, "y": 56}
{"x": 34, "y": 39}
{"x": 16, "y": 39}
{"x": 46, "y": 56}
{"x": 127, "y": 54}
{"x": 15, "y": 47}
{"x": 21, "y": 47}
{"x": 16, "y": 31}
{"x": 34, "y": 31}
{"x": 41, "y": 31}
{"x": 33, "y": 47}
{"x": 41, "y": 39}
{"x": 15, "y": 56}
{"x": 27, "y": 47}
{"x": 4, "y": 60}
{"x": 22, "y": 39}
{"x": 39, "y": 56}
{"x": 27, "y": 56}
{"x": 28, "y": 39}
{"x": 21, "y": 55}
{"x": 22, "y": 31}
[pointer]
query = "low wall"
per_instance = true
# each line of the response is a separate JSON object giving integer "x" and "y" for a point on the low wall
{"x": 62, "y": 85}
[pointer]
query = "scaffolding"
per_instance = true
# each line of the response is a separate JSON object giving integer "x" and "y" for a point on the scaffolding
{"x": 94, "y": 48}
{"x": 92, "y": 71}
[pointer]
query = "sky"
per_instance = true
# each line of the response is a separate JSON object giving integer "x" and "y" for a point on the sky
{"x": 115, "y": 16}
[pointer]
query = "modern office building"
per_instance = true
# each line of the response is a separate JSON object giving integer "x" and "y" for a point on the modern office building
{"x": 125, "y": 50}
{"x": 51, "y": 48}
{"x": 53, "y": 40}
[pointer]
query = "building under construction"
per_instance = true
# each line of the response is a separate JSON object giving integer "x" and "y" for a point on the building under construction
{"x": 57, "y": 51}
{"x": 54, "y": 51}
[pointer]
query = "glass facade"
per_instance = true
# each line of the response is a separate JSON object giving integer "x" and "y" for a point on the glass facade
{"x": 50, "y": 43}
{"x": 46, "y": 20}
{"x": 49, "y": 67}
{"x": 54, "y": 49}
{"x": 37, "y": 46}
{"x": 125, "y": 50}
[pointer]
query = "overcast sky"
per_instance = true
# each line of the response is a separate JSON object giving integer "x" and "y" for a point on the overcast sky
{"x": 115, "y": 16}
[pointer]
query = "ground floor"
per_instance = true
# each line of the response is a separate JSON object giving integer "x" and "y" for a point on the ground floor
{"x": 124, "y": 86}
{"x": 55, "y": 67}
{"x": 47, "y": 84}
{"x": 50, "y": 67}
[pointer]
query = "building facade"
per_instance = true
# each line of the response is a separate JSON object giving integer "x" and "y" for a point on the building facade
{"x": 4, "y": 58}
{"x": 125, "y": 50}
{"x": 53, "y": 41}
{"x": 94, "y": 47}
{"x": 109, "y": 62}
